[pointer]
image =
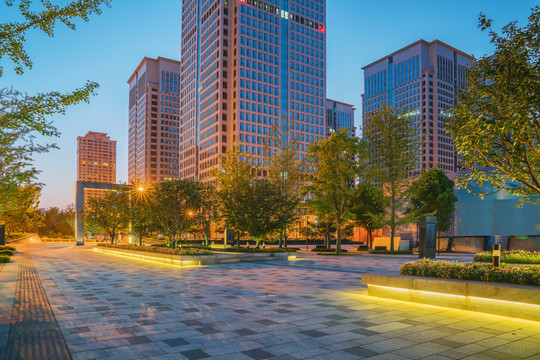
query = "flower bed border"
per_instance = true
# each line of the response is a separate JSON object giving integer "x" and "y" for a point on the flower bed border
{"x": 513, "y": 300}
{"x": 195, "y": 260}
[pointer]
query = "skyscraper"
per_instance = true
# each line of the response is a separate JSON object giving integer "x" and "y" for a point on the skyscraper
{"x": 339, "y": 115}
{"x": 154, "y": 117}
{"x": 423, "y": 79}
{"x": 249, "y": 67}
{"x": 96, "y": 160}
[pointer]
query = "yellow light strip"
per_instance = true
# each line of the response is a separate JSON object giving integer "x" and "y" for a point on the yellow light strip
{"x": 452, "y": 295}
{"x": 504, "y": 301}
{"x": 152, "y": 259}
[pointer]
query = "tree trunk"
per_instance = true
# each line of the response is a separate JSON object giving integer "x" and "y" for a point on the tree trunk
{"x": 392, "y": 220}
{"x": 327, "y": 237}
{"x": 369, "y": 239}
{"x": 285, "y": 238}
{"x": 112, "y": 237}
{"x": 281, "y": 238}
{"x": 140, "y": 240}
{"x": 338, "y": 242}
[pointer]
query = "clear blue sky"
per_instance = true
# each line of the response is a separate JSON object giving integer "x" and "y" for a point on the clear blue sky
{"x": 110, "y": 46}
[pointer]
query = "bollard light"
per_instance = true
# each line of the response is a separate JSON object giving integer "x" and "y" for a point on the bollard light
{"x": 496, "y": 255}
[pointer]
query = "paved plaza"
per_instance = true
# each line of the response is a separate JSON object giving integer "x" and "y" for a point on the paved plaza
{"x": 71, "y": 302}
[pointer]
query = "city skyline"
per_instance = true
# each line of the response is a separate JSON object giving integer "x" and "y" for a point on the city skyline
{"x": 346, "y": 21}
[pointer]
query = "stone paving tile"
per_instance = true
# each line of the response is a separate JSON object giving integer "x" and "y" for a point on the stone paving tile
{"x": 308, "y": 309}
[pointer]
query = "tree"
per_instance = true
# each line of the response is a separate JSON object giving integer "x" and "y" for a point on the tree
{"x": 248, "y": 202}
{"x": 433, "y": 194}
{"x": 319, "y": 206}
{"x": 233, "y": 179}
{"x": 394, "y": 147}
{"x": 208, "y": 212}
{"x": 496, "y": 119}
{"x": 285, "y": 169}
{"x": 140, "y": 210}
{"x": 109, "y": 212}
{"x": 57, "y": 221}
{"x": 18, "y": 208}
{"x": 176, "y": 202}
{"x": 369, "y": 208}
{"x": 21, "y": 116}
{"x": 337, "y": 163}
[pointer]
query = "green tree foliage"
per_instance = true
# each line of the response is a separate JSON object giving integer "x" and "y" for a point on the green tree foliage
{"x": 208, "y": 211}
{"x": 176, "y": 202}
{"x": 496, "y": 120}
{"x": 394, "y": 147}
{"x": 233, "y": 179}
{"x": 433, "y": 194}
{"x": 13, "y": 34}
{"x": 286, "y": 170}
{"x": 21, "y": 115}
{"x": 248, "y": 202}
{"x": 57, "y": 221}
{"x": 141, "y": 210}
{"x": 109, "y": 212}
{"x": 337, "y": 163}
{"x": 369, "y": 209}
{"x": 18, "y": 208}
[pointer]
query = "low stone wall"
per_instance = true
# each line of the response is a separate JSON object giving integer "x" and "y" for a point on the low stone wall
{"x": 531, "y": 243}
{"x": 193, "y": 260}
{"x": 469, "y": 244}
{"x": 520, "y": 301}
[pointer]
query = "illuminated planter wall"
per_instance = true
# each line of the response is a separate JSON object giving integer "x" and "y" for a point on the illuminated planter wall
{"x": 520, "y": 301}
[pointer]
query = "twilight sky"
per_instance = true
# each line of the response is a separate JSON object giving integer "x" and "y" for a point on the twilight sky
{"x": 110, "y": 46}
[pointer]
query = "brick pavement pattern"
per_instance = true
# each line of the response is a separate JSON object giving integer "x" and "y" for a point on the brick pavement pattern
{"x": 34, "y": 333}
{"x": 110, "y": 307}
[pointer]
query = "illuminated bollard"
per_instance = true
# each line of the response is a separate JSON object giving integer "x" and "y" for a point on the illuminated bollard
{"x": 496, "y": 255}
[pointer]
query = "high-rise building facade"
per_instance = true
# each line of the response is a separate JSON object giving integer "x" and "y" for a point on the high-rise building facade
{"x": 154, "y": 118}
{"x": 96, "y": 160}
{"x": 249, "y": 67}
{"x": 339, "y": 115}
{"x": 421, "y": 78}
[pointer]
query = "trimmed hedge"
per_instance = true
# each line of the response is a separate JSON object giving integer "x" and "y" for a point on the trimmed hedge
{"x": 290, "y": 249}
{"x": 324, "y": 249}
{"x": 396, "y": 252}
{"x": 7, "y": 248}
{"x": 6, "y": 252}
{"x": 180, "y": 251}
{"x": 511, "y": 257}
{"x": 471, "y": 271}
{"x": 252, "y": 250}
{"x": 4, "y": 259}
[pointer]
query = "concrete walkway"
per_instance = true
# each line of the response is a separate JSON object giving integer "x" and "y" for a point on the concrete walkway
{"x": 109, "y": 307}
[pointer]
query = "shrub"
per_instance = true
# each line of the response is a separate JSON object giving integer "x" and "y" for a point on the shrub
{"x": 7, "y": 248}
{"x": 396, "y": 252}
{"x": 6, "y": 252}
{"x": 323, "y": 249}
{"x": 291, "y": 249}
{"x": 252, "y": 250}
{"x": 161, "y": 250}
{"x": 511, "y": 257}
{"x": 4, "y": 259}
{"x": 471, "y": 271}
